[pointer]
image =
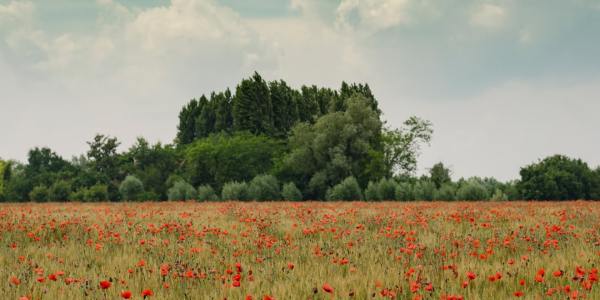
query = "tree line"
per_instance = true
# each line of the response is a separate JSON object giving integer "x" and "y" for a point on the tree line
{"x": 269, "y": 141}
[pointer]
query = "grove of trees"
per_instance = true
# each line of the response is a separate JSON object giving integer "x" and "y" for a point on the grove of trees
{"x": 269, "y": 141}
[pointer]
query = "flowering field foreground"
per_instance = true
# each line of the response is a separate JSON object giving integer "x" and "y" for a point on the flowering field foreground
{"x": 306, "y": 250}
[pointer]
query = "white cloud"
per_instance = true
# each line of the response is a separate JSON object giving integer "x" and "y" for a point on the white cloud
{"x": 488, "y": 16}
{"x": 372, "y": 15}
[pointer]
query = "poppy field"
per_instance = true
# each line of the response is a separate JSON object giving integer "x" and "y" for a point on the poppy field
{"x": 300, "y": 250}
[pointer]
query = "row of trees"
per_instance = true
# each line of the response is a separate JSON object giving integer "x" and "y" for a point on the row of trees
{"x": 269, "y": 141}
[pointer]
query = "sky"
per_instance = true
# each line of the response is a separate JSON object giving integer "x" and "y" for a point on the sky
{"x": 505, "y": 83}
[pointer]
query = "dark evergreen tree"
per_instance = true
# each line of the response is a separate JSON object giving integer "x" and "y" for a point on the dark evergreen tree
{"x": 223, "y": 118}
{"x": 285, "y": 109}
{"x": 186, "y": 129}
{"x": 252, "y": 108}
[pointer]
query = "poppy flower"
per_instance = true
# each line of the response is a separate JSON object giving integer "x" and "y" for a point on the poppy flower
{"x": 327, "y": 288}
{"x": 557, "y": 273}
{"x": 471, "y": 275}
{"x": 518, "y": 294}
{"x": 104, "y": 284}
{"x": 147, "y": 293}
{"x": 290, "y": 266}
{"x": 14, "y": 280}
{"x": 236, "y": 284}
{"x": 126, "y": 294}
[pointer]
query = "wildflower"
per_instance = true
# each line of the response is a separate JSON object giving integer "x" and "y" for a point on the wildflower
{"x": 105, "y": 284}
{"x": 327, "y": 288}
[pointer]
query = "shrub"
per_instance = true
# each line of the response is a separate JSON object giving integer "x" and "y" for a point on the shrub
{"x": 235, "y": 191}
{"x": 423, "y": 190}
{"x": 348, "y": 189}
{"x": 264, "y": 187}
{"x": 446, "y": 192}
{"x": 499, "y": 195}
{"x": 149, "y": 196}
{"x": 372, "y": 192}
{"x": 98, "y": 192}
{"x": 60, "y": 191}
{"x": 404, "y": 192}
{"x": 131, "y": 188}
{"x": 181, "y": 190}
{"x": 387, "y": 189}
{"x": 206, "y": 193}
{"x": 472, "y": 190}
{"x": 290, "y": 192}
{"x": 78, "y": 195}
{"x": 39, "y": 194}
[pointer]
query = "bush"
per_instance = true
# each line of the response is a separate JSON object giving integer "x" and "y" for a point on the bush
{"x": 404, "y": 192}
{"x": 60, "y": 191}
{"x": 181, "y": 190}
{"x": 446, "y": 192}
{"x": 423, "y": 190}
{"x": 499, "y": 196}
{"x": 264, "y": 187}
{"x": 39, "y": 194}
{"x": 372, "y": 192}
{"x": 348, "y": 189}
{"x": 472, "y": 190}
{"x": 290, "y": 192}
{"x": 78, "y": 195}
{"x": 131, "y": 188}
{"x": 98, "y": 192}
{"x": 387, "y": 189}
{"x": 206, "y": 193}
{"x": 235, "y": 191}
{"x": 149, "y": 196}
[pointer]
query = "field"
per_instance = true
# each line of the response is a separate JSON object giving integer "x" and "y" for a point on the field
{"x": 307, "y": 250}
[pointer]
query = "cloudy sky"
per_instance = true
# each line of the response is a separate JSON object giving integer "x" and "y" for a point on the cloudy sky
{"x": 504, "y": 82}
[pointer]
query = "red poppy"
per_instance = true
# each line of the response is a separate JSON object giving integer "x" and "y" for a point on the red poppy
{"x": 236, "y": 284}
{"x": 290, "y": 266}
{"x": 471, "y": 275}
{"x": 105, "y": 284}
{"x": 327, "y": 288}
{"x": 147, "y": 293}
{"x": 14, "y": 280}
{"x": 519, "y": 294}
{"x": 126, "y": 294}
{"x": 557, "y": 273}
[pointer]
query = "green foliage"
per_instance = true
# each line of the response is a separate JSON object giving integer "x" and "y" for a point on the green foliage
{"x": 424, "y": 190}
{"x": 235, "y": 191}
{"x": 104, "y": 162}
{"x": 131, "y": 188}
{"x": 404, "y": 192}
{"x": 290, "y": 192}
{"x": 372, "y": 192}
{"x": 206, "y": 193}
{"x": 558, "y": 178}
{"x": 153, "y": 165}
{"x": 439, "y": 174}
{"x": 471, "y": 190}
{"x": 384, "y": 189}
{"x": 39, "y": 194}
{"x": 252, "y": 107}
{"x": 499, "y": 196}
{"x": 446, "y": 192}
{"x": 3, "y": 169}
{"x": 222, "y": 158}
{"x": 338, "y": 145}
{"x": 348, "y": 189}
{"x": 264, "y": 187}
{"x": 402, "y": 146}
{"x": 97, "y": 192}
{"x": 59, "y": 191}
{"x": 182, "y": 190}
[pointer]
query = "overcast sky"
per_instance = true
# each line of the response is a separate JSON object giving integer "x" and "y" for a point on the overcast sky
{"x": 504, "y": 82}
